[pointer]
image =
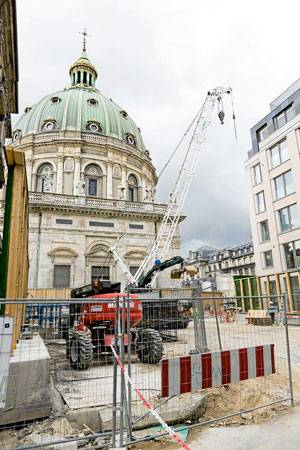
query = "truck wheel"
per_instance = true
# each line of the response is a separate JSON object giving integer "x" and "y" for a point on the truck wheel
{"x": 80, "y": 350}
{"x": 182, "y": 324}
{"x": 149, "y": 346}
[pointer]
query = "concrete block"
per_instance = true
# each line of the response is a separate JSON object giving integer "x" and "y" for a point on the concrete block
{"x": 88, "y": 416}
{"x": 28, "y": 384}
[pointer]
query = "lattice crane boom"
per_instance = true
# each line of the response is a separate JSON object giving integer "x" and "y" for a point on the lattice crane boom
{"x": 161, "y": 243}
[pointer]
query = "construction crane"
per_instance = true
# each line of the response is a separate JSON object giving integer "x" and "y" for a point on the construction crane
{"x": 155, "y": 261}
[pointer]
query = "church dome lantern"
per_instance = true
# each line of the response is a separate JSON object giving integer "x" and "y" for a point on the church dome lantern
{"x": 82, "y": 72}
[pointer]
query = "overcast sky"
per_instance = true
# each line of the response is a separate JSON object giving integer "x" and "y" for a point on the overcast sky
{"x": 157, "y": 59}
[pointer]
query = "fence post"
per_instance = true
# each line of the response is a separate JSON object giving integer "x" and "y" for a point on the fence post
{"x": 115, "y": 375}
{"x": 288, "y": 348}
{"x": 217, "y": 322}
{"x": 259, "y": 292}
{"x": 250, "y": 293}
{"x": 199, "y": 325}
{"x": 129, "y": 365}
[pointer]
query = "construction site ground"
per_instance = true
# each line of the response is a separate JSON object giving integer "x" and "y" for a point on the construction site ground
{"x": 266, "y": 428}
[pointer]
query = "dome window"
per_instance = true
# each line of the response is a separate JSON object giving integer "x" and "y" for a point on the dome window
{"x": 124, "y": 114}
{"x": 92, "y": 101}
{"x": 17, "y": 134}
{"x": 94, "y": 127}
{"x": 55, "y": 100}
{"x": 27, "y": 109}
{"x": 130, "y": 139}
{"x": 49, "y": 125}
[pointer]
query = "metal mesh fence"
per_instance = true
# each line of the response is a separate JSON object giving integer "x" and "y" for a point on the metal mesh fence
{"x": 195, "y": 360}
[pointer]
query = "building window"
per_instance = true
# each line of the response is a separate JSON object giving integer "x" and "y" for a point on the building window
{"x": 261, "y": 134}
{"x": 289, "y": 218}
{"x": 17, "y": 134}
{"x": 257, "y": 174}
{"x": 260, "y": 202}
{"x": 55, "y": 99}
{"x": 130, "y": 139}
{"x": 101, "y": 224}
{"x": 64, "y": 221}
{"x": 279, "y": 153}
{"x": 292, "y": 254}
{"x": 61, "y": 278}
{"x": 132, "y": 189}
{"x": 49, "y": 125}
{"x": 267, "y": 259}
{"x": 264, "y": 231}
{"x": 92, "y": 101}
{"x": 45, "y": 178}
{"x": 283, "y": 117}
{"x": 94, "y": 127}
{"x": 133, "y": 270}
{"x": 136, "y": 226}
{"x": 93, "y": 180}
{"x": 283, "y": 184}
{"x": 100, "y": 273}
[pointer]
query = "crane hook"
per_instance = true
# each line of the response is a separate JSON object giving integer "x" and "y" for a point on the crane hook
{"x": 221, "y": 116}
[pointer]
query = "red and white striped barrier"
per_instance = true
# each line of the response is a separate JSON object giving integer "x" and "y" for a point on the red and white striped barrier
{"x": 201, "y": 371}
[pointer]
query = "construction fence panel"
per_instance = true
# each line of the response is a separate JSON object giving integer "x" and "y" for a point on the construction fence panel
{"x": 193, "y": 361}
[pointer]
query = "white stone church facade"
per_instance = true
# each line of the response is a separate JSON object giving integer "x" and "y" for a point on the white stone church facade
{"x": 91, "y": 180}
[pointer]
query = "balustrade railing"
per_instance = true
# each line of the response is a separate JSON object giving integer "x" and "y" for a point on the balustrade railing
{"x": 88, "y": 202}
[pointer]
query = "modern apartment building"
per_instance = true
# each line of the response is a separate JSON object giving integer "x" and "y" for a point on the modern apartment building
{"x": 273, "y": 172}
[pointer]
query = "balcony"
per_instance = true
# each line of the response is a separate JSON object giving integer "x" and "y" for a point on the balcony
{"x": 89, "y": 203}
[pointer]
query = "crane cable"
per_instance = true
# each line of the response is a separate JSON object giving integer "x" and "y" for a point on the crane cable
{"x": 187, "y": 131}
{"x": 233, "y": 117}
{"x": 178, "y": 145}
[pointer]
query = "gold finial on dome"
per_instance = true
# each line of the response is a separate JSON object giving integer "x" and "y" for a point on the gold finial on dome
{"x": 84, "y": 34}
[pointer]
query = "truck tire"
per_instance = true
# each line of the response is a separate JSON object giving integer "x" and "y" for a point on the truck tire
{"x": 80, "y": 349}
{"x": 149, "y": 346}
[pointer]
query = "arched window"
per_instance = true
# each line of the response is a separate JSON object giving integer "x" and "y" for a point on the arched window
{"x": 84, "y": 77}
{"x": 78, "y": 77}
{"x": 90, "y": 79}
{"x": 93, "y": 180}
{"x": 74, "y": 78}
{"x": 132, "y": 188}
{"x": 45, "y": 178}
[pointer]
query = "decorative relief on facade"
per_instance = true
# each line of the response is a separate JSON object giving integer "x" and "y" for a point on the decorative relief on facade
{"x": 69, "y": 165}
{"x": 116, "y": 171}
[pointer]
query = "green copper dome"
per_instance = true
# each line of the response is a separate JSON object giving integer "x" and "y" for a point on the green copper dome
{"x": 81, "y": 107}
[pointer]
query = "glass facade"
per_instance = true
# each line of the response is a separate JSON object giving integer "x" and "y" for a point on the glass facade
{"x": 283, "y": 184}
{"x": 279, "y": 153}
{"x": 289, "y": 218}
{"x": 257, "y": 174}
{"x": 260, "y": 202}
{"x": 267, "y": 258}
{"x": 292, "y": 254}
{"x": 264, "y": 231}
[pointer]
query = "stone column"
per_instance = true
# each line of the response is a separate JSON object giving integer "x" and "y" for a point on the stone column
{"x": 109, "y": 181}
{"x": 124, "y": 182}
{"x": 59, "y": 178}
{"x": 76, "y": 176}
{"x": 29, "y": 162}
